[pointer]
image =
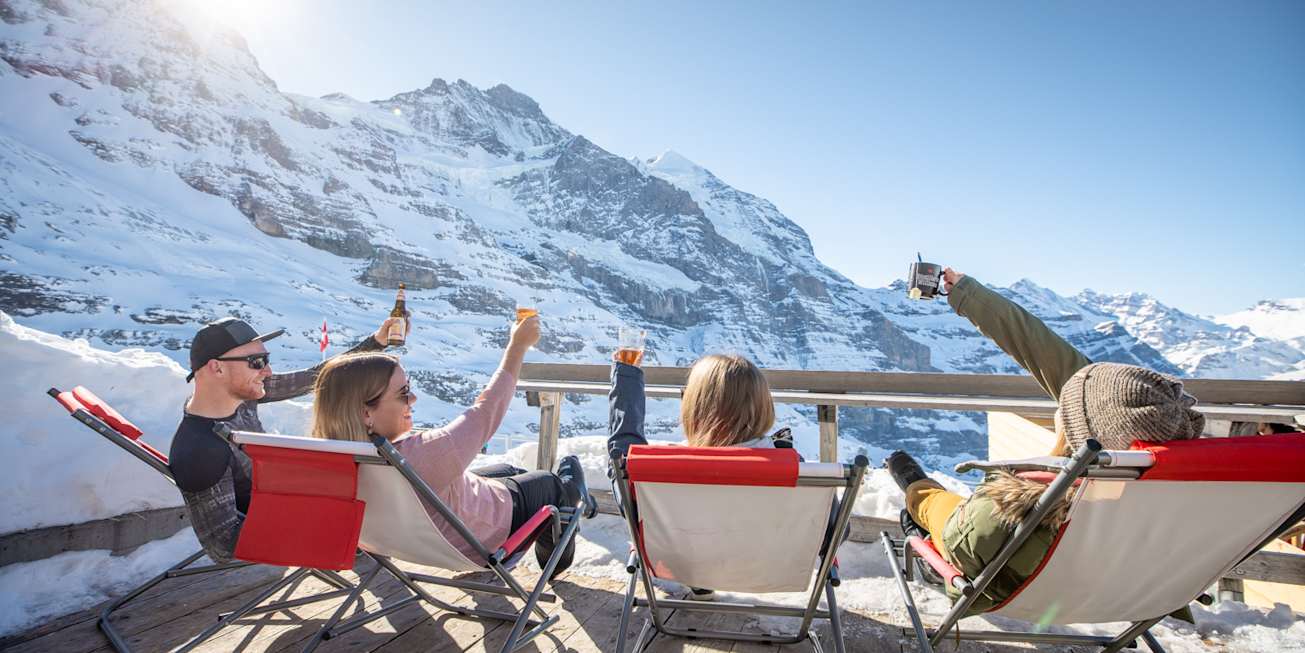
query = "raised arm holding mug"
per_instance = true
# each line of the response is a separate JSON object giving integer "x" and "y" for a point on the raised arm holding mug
{"x": 232, "y": 372}
{"x": 1109, "y": 402}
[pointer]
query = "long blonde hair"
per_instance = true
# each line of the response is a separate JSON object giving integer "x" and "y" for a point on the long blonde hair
{"x": 344, "y": 386}
{"x": 726, "y": 401}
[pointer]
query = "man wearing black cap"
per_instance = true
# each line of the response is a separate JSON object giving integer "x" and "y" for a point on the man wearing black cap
{"x": 233, "y": 375}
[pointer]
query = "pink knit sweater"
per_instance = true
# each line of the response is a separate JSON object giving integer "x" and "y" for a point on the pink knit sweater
{"x": 441, "y": 457}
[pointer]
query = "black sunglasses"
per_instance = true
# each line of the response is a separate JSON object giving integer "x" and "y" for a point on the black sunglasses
{"x": 256, "y": 361}
{"x": 403, "y": 395}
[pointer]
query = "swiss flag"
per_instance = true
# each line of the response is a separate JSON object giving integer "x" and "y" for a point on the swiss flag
{"x": 321, "y": 345}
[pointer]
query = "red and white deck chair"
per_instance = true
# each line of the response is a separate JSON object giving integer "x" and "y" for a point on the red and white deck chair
{"x": 736, "y": 520}
{"x": 99, "y": 416}
{"x": 1149, "y": 529}
{"x": 308, "y": 492}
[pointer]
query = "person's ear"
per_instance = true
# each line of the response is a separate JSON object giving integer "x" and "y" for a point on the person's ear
{"x": 367, "y": 417}
{"x": 214, "y": 367}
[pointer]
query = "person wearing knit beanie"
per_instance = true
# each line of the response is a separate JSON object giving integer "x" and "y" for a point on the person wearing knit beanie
{"x": 1113, "y": 403}
{"x": 1117, "y": 404}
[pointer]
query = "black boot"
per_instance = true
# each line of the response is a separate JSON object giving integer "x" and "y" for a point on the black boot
{"x": 573, "y": 479}
{"x": 904, "y": 469}
{"x": 910, "y": 527}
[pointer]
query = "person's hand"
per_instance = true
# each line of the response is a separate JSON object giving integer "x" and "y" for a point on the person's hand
{"x": 525, "y": 333}
{"x": 382, "y": 335}
{"x": 950, "y": 278}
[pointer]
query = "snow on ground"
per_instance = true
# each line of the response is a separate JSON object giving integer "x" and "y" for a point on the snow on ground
{"x": 34, "y": 592}
{"x": 60, "y": 472}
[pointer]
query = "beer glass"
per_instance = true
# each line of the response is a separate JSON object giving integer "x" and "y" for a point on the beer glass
{"x": 629, "y": 348}
{"x": 525, "y": 312}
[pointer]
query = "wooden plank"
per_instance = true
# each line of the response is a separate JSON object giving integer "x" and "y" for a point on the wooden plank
{"x": 382, "y": 631}
{"x": 1272, "y": 567}
{"x": 575, "y": 602}
{"x": 452, "y": 632}
{"x": 599, "y": 633}
{"x": 550, "y": 425}
{"x": 120, "y": 534}
{"x": 164, "y": 603}
{"x": 1215, "y": 391}
{"x": 827, "y": 416}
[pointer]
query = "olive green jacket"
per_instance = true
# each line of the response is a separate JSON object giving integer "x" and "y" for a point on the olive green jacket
{"x": 974, "y": 533}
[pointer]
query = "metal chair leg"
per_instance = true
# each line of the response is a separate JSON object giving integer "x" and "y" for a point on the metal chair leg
{"x": 835, "y": 620}
{"x": 339, "y": 612}
{"x": 239, "y": 612}
{"x": 115, "y": 639}
{"x": 626, "y": 609}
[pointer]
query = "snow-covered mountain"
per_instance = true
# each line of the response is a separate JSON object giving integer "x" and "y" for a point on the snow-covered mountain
{"x": 152, "y": 177}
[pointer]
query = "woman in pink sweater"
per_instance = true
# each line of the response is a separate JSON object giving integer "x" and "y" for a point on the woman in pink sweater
{"x": 362, "y": 394}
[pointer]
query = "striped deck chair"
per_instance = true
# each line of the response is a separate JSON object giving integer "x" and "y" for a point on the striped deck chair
{"x": 1206, "y": 504}
{"x": 97, "y": 415}
{"x": 316, "y": 493}
{"x": 737, "y": 520}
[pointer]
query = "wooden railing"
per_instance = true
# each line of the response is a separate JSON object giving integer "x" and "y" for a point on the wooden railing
{"x": 1220, "y": 400}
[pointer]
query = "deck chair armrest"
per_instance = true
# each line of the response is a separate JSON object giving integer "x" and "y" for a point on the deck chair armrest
{"x": 1039, "y": 464}
{"x": 524, "y": 535}
{"x": 950, "y": 575}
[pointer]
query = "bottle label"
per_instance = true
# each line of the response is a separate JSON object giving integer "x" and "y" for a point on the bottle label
{"x": 396, "y": 331}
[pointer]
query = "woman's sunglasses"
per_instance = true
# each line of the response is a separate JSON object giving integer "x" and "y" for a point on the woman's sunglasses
{"x": 403, "y": 395}
{"x": 256, "y": 361}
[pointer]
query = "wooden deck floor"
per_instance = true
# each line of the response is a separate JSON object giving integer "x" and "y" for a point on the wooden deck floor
{"x": 175, "y": 610}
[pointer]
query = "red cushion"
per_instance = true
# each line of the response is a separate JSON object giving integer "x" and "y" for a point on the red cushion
{"x": 69, "y": 402}
{"x": 98, "y": 408}
{"x": 302, "y": 511}
{"x": 1255, "y": 458}
{"x": 713, "y": 465}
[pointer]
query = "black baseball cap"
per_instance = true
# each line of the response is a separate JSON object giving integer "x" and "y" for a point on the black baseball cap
{"x": 220, "y": 337}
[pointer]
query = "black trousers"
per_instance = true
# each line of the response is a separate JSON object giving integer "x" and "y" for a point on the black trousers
{"x": 531, "y": 491}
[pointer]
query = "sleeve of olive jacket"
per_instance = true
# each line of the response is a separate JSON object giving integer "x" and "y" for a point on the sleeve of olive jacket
{"x": 289, "y": 385}
{"x": 1025, "y": 338}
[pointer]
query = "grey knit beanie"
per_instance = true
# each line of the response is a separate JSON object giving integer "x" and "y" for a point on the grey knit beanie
{"x": 1117, "y": 404}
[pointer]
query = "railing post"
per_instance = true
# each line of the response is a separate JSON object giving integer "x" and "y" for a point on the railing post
{"x": 550, "y": 423}
{"x": 828, "y": 418}
{"x": 1231, "y": 589}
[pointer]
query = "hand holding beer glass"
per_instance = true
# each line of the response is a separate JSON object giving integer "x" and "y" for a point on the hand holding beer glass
{"x": 629, "y": 348}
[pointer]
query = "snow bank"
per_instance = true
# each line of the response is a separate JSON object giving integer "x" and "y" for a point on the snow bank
{"x": 34, "y": 592}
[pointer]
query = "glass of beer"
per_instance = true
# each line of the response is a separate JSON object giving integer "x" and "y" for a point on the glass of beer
{"x": 629, "y": 348}
{"x": 524, "y": 312}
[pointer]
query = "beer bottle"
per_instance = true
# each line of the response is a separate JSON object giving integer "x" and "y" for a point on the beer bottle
{"x": 399, "y": 326}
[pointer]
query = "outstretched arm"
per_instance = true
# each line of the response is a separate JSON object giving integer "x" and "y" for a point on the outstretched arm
{"x": 1024, "y": 337}
{"x": 298, "y": 383}
{"x": 626, "y": 408}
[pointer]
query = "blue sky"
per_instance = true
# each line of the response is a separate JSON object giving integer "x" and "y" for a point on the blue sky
{"x": 1157, "y": 147}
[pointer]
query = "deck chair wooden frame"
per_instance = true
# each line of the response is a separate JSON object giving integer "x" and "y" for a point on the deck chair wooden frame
{"x": 94, "y": 413}
{"x": 392, "y": 526}
{"x": 743, "y": 471}
{"x": 1145, "y": 494}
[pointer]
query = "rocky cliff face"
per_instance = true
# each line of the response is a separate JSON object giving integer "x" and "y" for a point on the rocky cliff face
{"x": 154, "y": 178}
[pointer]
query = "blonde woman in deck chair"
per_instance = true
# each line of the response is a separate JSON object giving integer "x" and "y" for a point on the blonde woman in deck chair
{"x": 726, "y": 403}
{"x": 1109, "y": 402}
{"x": 362, "y": 394}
